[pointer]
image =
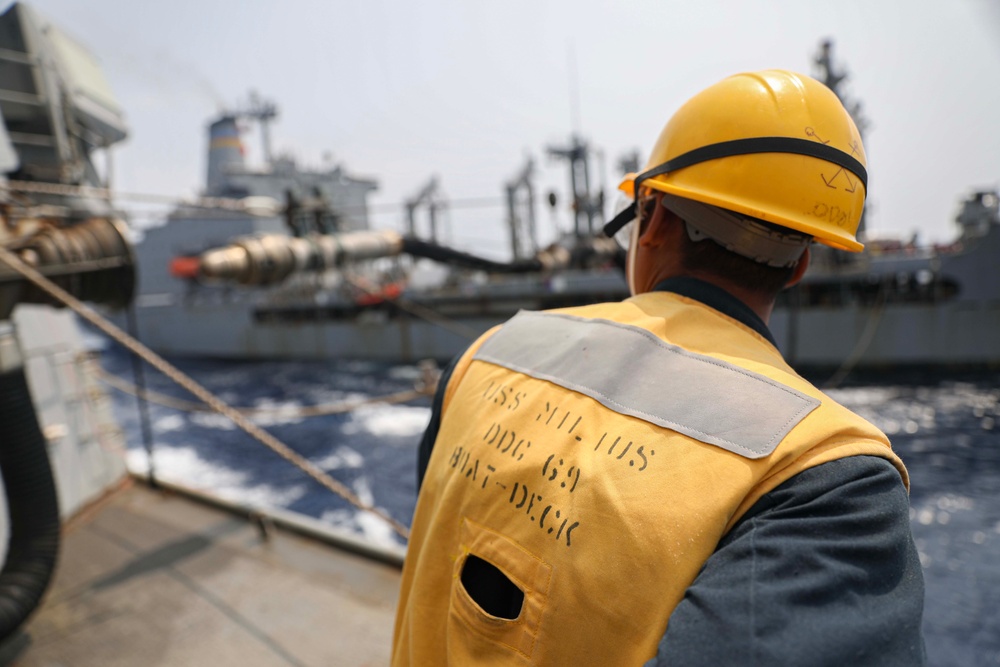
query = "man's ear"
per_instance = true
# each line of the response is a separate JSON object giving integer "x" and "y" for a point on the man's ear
{"x": 657, "y": 231}
{"x": 800, "y": 269}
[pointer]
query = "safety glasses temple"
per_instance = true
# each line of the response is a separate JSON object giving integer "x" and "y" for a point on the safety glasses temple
{"x": 623, "y": 218}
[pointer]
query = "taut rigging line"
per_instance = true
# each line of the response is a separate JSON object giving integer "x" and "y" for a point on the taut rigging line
{"x": 226, "y": 203}
{"x": 112, "y": 380}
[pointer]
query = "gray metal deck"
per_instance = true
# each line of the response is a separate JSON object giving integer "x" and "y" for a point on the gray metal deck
{"x": 155, "y": 579}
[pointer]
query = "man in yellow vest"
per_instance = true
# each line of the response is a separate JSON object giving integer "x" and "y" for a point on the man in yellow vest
{"x": 648, "y": 482}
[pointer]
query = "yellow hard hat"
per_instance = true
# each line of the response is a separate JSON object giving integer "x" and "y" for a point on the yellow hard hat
{"x": 774, "y": 145}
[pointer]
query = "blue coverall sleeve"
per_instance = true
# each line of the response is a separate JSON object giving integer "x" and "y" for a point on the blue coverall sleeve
{"x": 426, "y": 445}
{"x": 821, "y": 571}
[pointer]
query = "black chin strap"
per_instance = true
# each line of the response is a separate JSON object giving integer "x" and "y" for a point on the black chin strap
{"x": 750, "y": 146}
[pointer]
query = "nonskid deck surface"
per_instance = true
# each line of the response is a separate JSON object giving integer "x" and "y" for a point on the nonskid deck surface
{"x": 155, "y": 579}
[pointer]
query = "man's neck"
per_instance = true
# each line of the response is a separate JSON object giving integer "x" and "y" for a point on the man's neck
{"x": 763, "y": 306}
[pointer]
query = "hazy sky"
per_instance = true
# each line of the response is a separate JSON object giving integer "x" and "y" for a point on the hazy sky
{"x": 402, "y": 90}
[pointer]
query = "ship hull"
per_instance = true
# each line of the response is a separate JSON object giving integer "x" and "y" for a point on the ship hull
{"x": 952, "y": 334}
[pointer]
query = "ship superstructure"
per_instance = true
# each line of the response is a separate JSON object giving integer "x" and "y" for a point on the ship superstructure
{"x": 296, "y": 300}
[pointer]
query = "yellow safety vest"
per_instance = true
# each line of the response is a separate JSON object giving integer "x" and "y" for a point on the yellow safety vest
{"x": 596, "y": 456}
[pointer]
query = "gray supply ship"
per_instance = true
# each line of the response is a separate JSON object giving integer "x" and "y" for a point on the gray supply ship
{"x": 284, "y": 266}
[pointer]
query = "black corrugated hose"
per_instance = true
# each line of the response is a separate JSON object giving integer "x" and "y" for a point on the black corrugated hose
{"x": 418, "y": 248}
{"x": 32, "y": 505}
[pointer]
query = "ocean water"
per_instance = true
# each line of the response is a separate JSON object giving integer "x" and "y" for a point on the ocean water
{"x": 947, "y": 431}
{"x": 371, "y": 450}
{"x": 946, "y": 427}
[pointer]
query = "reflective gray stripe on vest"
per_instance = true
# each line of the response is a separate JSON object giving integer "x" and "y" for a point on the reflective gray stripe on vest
{"x": 629, "y": 370}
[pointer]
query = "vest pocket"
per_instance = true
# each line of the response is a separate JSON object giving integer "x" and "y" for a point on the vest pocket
{"x": 499, "y": 595}
{"x": 491, "y": 589}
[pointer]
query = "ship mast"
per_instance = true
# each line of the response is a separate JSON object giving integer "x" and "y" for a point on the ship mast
{"x": 587, "y": 206}
{"x": 521, "y": 212}
{"x": 429, "y": 196}
{"x": 827, "y": 72}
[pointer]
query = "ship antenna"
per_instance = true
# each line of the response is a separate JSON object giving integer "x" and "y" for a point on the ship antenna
{"x": 827, "y": 72}
{"x": 263, "y": 111}
{"x": 574, "y": 91}
{"x": 587, "y": 206}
